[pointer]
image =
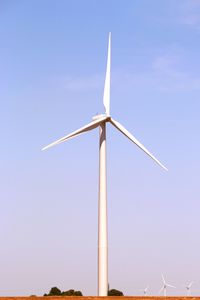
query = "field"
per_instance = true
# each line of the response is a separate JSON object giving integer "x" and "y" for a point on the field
{"x": 103, "y": 298}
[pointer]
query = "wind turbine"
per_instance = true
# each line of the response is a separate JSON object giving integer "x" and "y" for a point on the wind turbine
{"x": 188, "y": 288}
{"x": 164, "y": 287}
{"x": 100, "y": 121}
{"x": 145, "y": 290}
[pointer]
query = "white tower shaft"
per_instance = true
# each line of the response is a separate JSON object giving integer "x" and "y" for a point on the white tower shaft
{"x": 102, "y": 226}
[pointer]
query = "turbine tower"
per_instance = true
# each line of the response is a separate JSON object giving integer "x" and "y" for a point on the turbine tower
{"x": 164, "y": 287}
{"x": 101, "y": 121}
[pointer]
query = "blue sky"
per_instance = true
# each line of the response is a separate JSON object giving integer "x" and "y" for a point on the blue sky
{"x": 52, "y": 68}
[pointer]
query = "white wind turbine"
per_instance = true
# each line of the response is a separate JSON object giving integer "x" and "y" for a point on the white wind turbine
{"x": 164, "y": 287}
{"x": 188, "y": 288}
{"x": 100, "y": 121}
{"x": 145, "y": 290}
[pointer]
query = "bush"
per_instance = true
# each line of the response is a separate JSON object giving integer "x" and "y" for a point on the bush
{"x": 114, "y": 292}
{"x": 54, "y": 291}
{"x": 78, "y": 293}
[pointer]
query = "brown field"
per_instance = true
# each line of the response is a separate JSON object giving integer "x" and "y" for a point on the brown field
{"x": 103, "y": 298}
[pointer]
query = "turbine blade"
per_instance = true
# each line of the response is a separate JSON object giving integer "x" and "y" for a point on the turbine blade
{"x": 162, "y": 288}
{"x": 106, "y": 96}
{"x": 163, "y": 279}
{"x": 135, "y": 141}
{"x": 190, "y": 284}
{"x": 83, "y": 129}
{"x": 169, "y": 285}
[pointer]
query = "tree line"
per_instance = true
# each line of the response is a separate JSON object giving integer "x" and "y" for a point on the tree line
{"x": 54, "y": 291}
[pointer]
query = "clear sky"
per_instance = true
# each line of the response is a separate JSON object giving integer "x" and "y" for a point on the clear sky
{"x": 52, "y": 68}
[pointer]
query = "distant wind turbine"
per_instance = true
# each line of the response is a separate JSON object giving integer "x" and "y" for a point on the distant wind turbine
{"x": 188, "y": 288}
{"x": 145, "y": 290}
{"x": 164, "y": 287}
{"x": 100, "y": 121}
